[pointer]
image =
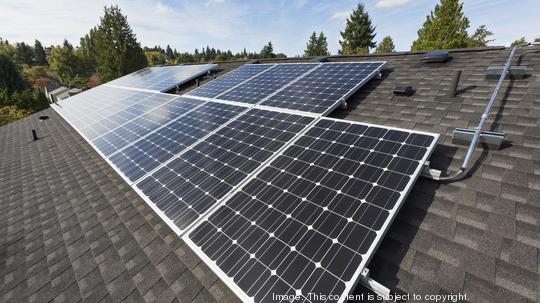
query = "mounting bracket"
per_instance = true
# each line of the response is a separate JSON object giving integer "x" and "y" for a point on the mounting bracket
{"x": 430, "y": 173}
{"x": 464, "y": 136}
{"x": 373, "y": 285}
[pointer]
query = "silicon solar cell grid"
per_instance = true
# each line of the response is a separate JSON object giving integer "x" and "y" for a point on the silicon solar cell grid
{"x": 96, "y": 104}
{"x": 306, "y": 223}
{"x": 147, "y": 152}
{"x": 229, "y": 80}
{"x": 153, "y": 113}
{"x": 324, "y": 88}
{"x": 261, "y": 86}
{"x": 162, "y": 78}
{"x": 188, "y": 186}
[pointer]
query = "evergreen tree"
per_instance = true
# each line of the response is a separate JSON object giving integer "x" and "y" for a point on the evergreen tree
{"x": 40, "y": 58}
{"x": 87, "y": 52}
{"x": 519, "y": 41}
{"x": 10, "y": 77}
{"x": 268, "y": 51}
{"x": 24, "y": 54}
{"x": 64, "y": 63}
{"x": 386, "y": 45}
{"x": 444, "y": 28}
{"x": 316, "y": 46}
{"x": 480, "y": 37}
{"x": 359, "y": 33}
{"x": 169, "y": 52}
{"x": 117, "y": 51}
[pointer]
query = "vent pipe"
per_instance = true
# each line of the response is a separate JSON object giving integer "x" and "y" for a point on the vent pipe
{"x": 454, "y": 85}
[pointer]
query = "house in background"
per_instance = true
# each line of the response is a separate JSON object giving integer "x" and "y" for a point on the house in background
{"x": 60, "y": 93}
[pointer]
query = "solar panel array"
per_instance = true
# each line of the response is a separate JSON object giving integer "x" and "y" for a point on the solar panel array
{"x": 283, "y": 202}
{"x": 307, "y": 87}
{"x": 162, "y": 78}
{"x": 307, "y": 222}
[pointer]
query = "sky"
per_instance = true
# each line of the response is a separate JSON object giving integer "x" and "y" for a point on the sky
{"x": 235, "y": 24}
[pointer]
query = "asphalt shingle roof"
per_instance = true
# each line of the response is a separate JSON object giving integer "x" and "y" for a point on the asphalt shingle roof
{"x": 71, "y": 229}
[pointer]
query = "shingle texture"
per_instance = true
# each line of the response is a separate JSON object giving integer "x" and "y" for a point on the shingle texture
{"x": 72, "y": 230}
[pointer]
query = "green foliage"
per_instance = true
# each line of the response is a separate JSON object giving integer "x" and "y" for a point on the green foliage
{"x": 26, "y": 99}
{"x": 169, "y": 52}
{"x": 64, "y": 63}
{"x": 7, "y": 49}
{"x": 154, "y": 58}
{"x": 117, "y": 51}
{"x": 24, "y": 54}
{"x": 480, "y": 37}
{"x": 86, "y": 51}
{"x": 316, "y": 46}
{"x": 444, "y": 28}
{"x": 12, "y": 113}
{"x": 40, "y": 58}
{"x": 519, "y": 41}
{"x": 537, "y": 40}
{"x": 386, "y": 45}
{"x": 31, "y": 73}
{"x": 359, "y": 33}
{"x": 268, "y": 51}
{"x": 10, "y": 77}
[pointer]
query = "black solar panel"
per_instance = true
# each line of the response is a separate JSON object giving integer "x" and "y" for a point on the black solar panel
{"x": 261, "y": 86}
{"x": 149, "y": 115}
{"x": 309, "y": 221}
{"x": 186, "y": 187}
{"x": 144, "y": 151}
{"x": 97, "y": 104}
{"x": 325, "y": 87}
{"x": 229, "y": 80}
{"x": 162, "y": 78}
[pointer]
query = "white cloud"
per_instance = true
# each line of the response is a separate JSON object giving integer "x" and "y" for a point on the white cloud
{"x": 340, "y": 16}
{"x": 391, "y": 3}
{"x": 162, "y": 8}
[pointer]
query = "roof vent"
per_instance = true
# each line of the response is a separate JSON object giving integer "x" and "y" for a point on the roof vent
{"x": 255, "y": 61}
{"x": 43, "y": 118}
{"x": 403, "y": 90}
{"x": 319, "y": 59}
{"x": 435, "y": 56}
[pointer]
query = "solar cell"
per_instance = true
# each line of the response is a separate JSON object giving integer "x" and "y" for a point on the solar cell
{"x": 189, "y": 185}
{"x": 162, "y": 78}
{"x": 324, "y": 88}
{"x": 309, "y": 222}
{"x": 153, "y": 113}
{"x": 261, "y": 86}
{"x": 149, "y": 147}
{"x": 229, "y": 80}
{"x": 96, "y": 104}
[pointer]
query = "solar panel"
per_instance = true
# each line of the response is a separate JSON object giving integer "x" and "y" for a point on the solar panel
{"x": 162, "y": 78}
{"x": 153, "y": 113}
{"x": 322, "y": 90}
{"x": 145, "y": 153}
{"x": 309, "y": 222}
{"x": 186, "y": 187}
{"x": 229, "y": 80}
{"x": 96, "y": 104}
{"x": 261, "y": 86}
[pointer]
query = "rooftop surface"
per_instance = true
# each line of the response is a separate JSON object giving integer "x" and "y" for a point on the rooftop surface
{"x": 72, "y": 230}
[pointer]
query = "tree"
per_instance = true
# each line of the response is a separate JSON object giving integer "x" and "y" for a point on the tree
{"x": 316, "y": 46}
{"x": 444, "y": 28}
{"x": 268, "y": 51}
{"x": 12, "y": 113}
{"x": 480, "y": 37}
{"x": 154, "y": 58}
{"x": 169, "y": 52}
{"x": 386, "y": 45}
{"x": 11, "y": 78}
{"x": 359, "y": 33}
{"x": 40, "y": 58}
{"x": 519, "y": 41}
{"x": 87, "y": 52}
{"x": 64, "y": 63}
{"x": 117, "y": 51}
{"x": 24, "y": 54}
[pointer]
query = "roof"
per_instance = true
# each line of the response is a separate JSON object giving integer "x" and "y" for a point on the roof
{"x": 60, "y": 90}
{"x": 71, "y": 228}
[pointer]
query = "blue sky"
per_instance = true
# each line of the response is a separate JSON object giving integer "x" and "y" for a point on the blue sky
{"x": 235, "y": 24}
